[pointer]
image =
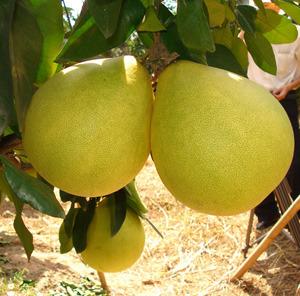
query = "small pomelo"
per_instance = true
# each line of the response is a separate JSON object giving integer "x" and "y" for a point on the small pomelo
{"x": 108, "y": 253}
{"x": 87, "y": 129}
{"x": 220, "y": 142}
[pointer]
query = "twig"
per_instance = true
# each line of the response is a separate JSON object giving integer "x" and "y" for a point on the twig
{"x": 103, "y": 281}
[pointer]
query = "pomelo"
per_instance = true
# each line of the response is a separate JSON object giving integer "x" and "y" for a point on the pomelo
{"x": 87, "y": 129}
{"x": 220, "y": 142}
{"x": 108, "y": 253}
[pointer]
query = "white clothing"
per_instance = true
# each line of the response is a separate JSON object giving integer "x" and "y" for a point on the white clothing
{"x": 288, "y": 66}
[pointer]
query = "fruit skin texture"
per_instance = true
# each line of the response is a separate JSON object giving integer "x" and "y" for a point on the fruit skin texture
{"x": 220, "y": 142}
{"x": 113, "y": 254}
{"x": 87, "y": 129}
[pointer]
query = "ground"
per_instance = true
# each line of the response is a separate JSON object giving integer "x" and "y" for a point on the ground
{"x": 196, "y": 257}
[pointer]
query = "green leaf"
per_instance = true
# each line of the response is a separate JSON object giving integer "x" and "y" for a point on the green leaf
{"x": 106, "y": 15}
{"x": 260, "y": 5}
{"x": 170, "y": 37}
{"x": 261, "y": 51}
{"x": 32, "y": 191}
{"x": 236, "y": 46}
{"x": 23, "y": 233}
{"x": 7, "y": 111}
{"x": 146, "y": 38}
{"x": 229, "y": 14}
{"x": 49, "y": 17}
{"x": 66, "y": 230}
{"x": 290, "y": 8}
{"x": 239, "y": 50}
{"x": 151, "y": 23}
{"x": 216, "y": 12}
{"x": 117, "y": 206}
{"x": 246, "y": 16}
{"x": 26, "y": 48}
{"x": 223, "y": 36}
{"x": 133, "y": 199}
{"x": 193, "y": 26}
{"x": 223, "y": 58}
{"x": 81, "y": 225}
{"x": 276, "y": 28}
{"x": 87, "y": 41}
{"x": 66, "y": 243}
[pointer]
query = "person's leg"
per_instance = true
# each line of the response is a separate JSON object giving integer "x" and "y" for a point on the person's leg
{"x": 267, "y": 211}
{"x": 293, "y": 175}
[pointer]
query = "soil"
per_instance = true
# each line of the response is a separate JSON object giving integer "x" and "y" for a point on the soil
{"x": 197, "y": 256}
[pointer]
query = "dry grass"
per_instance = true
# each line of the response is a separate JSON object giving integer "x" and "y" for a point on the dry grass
{"x": 196, "y": 257}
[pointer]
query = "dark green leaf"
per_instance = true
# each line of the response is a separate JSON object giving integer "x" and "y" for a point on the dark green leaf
{"x": 66, "y": 230}
{"x": 246, "y": 16}
{"x": 32, "y": 191}
{"x": 170, "y": 37}
{"x": 133, "y": 199}
{"x": 65, "y": 197}
{"x": 87, "y": 40}
{"x": 276, "y": 28}
{"x": 7, "y": 111}
{"x": 70, "y": 220}
{"x": 49, "y": 17}
{"x": 151, "y": 23}
{"x": 106, "y": 15}
{"x": 193, "y": 26}
{"x": 81, "y": 225}
{"x": 23, "y": 233}
{"x": 261, "y": 51}
{"x": 117, "y": 205}
{"x": 26, "y": 48}
{"x": 223, "y": 58}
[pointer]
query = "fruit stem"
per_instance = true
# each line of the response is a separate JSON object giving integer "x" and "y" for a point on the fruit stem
{"x": 103, "y": 282}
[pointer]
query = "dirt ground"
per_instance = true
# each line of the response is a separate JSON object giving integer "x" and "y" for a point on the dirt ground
{"x": 197, "y": 256}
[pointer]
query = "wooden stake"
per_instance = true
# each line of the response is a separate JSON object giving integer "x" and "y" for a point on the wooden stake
{"x": 103, "y": 281}
{"x": 249, "y": 229}
{"x": 265, "y": 243}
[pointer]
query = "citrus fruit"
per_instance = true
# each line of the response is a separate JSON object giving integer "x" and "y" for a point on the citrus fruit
{"x": 108, "y": 253}
{"x": 87, "y": 129}
{"x": 220, "y": 142}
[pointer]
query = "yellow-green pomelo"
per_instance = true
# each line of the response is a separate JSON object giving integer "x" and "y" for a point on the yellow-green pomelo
{"x": 108, "y": 253}
{"x": 87, "y": 129}
{"x": 220, "y": 142}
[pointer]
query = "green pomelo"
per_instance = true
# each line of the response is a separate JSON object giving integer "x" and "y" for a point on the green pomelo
{"x": 220, "y": 142}
{"x": 108, "y": 253}
{"x": 87, "y": 129}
